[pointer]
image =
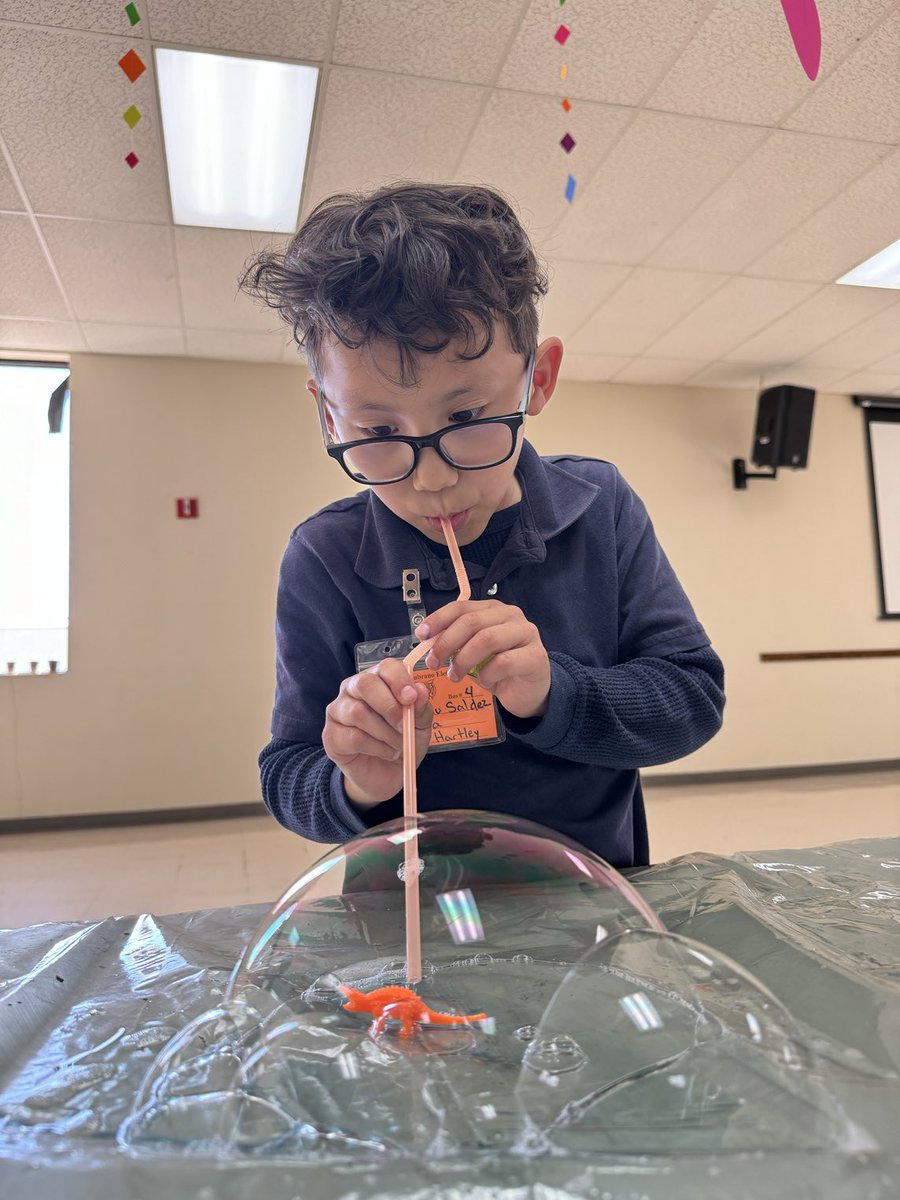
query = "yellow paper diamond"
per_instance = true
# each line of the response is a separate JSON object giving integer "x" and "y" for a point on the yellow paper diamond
{"x": 132, "y": 116}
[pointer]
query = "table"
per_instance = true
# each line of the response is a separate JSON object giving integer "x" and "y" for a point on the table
{"x": 85, "y": 1007}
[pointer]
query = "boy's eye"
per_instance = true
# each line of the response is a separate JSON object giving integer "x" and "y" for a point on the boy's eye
{"x": 467, "y": 414}
{"x": 457, "y": 418}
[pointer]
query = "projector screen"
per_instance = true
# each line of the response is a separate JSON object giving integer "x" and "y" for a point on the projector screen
{"x": 883, "y": 427}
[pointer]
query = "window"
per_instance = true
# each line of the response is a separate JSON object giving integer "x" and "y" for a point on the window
{"x": 34, "y": 518}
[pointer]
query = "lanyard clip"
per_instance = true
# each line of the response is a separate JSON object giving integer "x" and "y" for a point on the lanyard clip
{"x": 412, "y": 597}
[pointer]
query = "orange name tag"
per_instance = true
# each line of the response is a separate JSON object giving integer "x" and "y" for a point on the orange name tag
{"x": 464, "y": 712}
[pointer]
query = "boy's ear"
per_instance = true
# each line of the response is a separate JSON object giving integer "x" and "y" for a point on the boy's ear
{"x": 547, "y": 360}
{"x": 313, "y": 388}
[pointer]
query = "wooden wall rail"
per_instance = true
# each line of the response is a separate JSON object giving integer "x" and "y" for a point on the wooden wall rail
{"x": 809, "y": 655}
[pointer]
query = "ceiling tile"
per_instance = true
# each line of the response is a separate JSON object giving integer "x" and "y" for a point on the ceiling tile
{"x": 887, "y": 366}
{"x": 730, "y": 315}
{"x": 40, "y": 335}
{"x": 659, "y": 370}
{"x": 62, "y": 96}
{"x": 576, "y": 289}
{"x": 653, "y": 178}
{"x": 133, "y": 339}
{"x": 10, "y": 200}
{"x": 100, "y": 16}
{"x": 468, "y": 48}
{"x": 863, "y": 219}
{"x": 862, "y": 98}
{"x": 378, "y": 128}
{"x": 867, "y": 383}
{"x": 27, "y": 286}
{"x": 644, "y": 307}
{"x": 729, "y": 375}
{"x": 244, "y": 347}
{"x": 113, "y": 272}
{"x": 590, "y": 368}
{"x": 741, "y": 66}
{"x": 615, "y": 54}
{"x": 808, "y": 326}
{"x": 281, "y": 28}
{"x": 210, "y": 262}
{"x": 756, "y": 377}
{"x": 498, "y": 155}
{"x": 782, "y": 183}
{"x": 864, "y": 343}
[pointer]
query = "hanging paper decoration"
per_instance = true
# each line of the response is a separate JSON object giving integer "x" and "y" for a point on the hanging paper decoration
{"x": 562, "y": 35}
{"x": 132, "y": 64}
{"x": 132, "y": 159}
{"x": 132, "y": 13}
{"x": 803, "y": 21}
{"x": 131, "y": 116}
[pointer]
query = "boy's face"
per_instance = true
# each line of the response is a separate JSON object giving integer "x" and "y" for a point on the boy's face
{"x": 360, "y": 398}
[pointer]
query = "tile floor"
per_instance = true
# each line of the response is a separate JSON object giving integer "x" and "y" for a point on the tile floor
{"x": 93, "y": 873}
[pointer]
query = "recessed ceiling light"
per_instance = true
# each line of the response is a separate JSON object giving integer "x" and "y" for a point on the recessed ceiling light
{"x": 237, "y": 136}
{"x": 882, "y": 270}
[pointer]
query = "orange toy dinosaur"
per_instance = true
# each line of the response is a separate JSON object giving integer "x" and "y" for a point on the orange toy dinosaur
{"x": 399, "y": 1004}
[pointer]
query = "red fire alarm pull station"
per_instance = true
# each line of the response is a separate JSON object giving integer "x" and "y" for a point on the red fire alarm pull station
{"x": 186, "y": 507}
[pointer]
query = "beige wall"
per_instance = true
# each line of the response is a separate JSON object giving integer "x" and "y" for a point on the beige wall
{"x": 167, "y": 699}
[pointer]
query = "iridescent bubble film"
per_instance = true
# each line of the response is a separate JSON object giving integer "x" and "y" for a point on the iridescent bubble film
{"x": 554, "y": 1016}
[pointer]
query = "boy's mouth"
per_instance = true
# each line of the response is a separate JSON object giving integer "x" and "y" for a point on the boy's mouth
{"x": 456, "y": 520}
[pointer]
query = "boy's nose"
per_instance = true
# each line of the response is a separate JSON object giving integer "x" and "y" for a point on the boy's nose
{"x": 432, "y": 473}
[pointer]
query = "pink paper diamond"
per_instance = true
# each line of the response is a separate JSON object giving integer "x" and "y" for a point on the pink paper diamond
{"x": 132, "y": 159}
{"x": 562, "y": 35}
{"x": 567, "y": 143}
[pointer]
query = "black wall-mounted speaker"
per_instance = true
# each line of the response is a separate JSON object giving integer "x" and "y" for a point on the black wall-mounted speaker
{"x": 783, "y": 426}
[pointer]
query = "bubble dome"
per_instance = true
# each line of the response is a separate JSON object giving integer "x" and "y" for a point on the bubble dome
{"x": 552, "y": 1014}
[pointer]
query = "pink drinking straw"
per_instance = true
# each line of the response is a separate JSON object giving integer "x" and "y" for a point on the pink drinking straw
{"x": 410, "y": 802}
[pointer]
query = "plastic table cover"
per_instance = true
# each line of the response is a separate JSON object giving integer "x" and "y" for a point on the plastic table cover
{"x": 85, "y": 1008}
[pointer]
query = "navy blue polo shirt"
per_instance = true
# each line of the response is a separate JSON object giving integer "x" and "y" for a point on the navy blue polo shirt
{"x": 634, "y": 681}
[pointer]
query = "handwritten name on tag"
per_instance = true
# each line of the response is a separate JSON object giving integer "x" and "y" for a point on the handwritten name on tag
{"x": 463, "y": 711}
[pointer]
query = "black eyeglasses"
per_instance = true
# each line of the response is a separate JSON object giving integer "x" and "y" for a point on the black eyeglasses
{"x": 472, "y": 446}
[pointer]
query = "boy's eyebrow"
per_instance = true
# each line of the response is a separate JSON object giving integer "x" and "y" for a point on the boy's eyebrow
{"x": 373, "y": 406}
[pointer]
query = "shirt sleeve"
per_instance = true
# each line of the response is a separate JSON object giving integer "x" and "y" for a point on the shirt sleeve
{"x": 638, "y": 714}
{"x": 301, "y": 786}
{"x": 304, "y": 791}
{"x": 655, "y": 617}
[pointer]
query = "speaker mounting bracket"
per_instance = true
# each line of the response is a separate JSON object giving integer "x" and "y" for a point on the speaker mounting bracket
{"x": 740, "y": 474}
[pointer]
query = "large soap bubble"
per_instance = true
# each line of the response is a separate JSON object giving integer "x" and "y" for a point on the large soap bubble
{"x": 553, "y": 1014}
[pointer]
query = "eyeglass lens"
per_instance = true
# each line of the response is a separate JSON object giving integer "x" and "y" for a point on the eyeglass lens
{"x": 468, "y": 446}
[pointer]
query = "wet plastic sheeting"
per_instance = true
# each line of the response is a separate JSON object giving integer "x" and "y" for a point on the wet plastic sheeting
{"x": 785, "y": 1021}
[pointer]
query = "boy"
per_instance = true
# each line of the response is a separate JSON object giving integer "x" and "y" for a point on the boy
{"x": 416, "y": 307}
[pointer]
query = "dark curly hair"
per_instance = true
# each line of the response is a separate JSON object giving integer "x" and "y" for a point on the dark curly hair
{"x": 416, "y": 264}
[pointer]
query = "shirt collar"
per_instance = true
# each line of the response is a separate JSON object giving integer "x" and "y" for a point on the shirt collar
{"x": 552, "y": 499}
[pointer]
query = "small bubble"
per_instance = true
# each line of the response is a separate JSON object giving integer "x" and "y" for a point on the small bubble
{"x": 525, "y": 1033}
{"x": 522, "y": 958}
{"x": 554, "y": 1055}
{"x": 418, "y": 867}
{"x": 482, "y": 960}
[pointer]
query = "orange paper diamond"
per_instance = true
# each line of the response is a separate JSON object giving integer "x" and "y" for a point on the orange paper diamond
{"x": 132, "y": 65}
{"x": 566, "y": 105}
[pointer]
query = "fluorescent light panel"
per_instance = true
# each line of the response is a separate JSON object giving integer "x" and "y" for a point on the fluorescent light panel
{"x": 882, "y": 270}
{"x": 237, "y": 135}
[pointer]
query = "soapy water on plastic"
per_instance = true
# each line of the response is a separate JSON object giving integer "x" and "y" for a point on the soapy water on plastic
{"x": 603, "y": 1034}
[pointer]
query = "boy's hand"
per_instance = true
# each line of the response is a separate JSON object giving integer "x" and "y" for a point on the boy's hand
{"x": 503, "y": 647}
{"x": 363, "y": 725}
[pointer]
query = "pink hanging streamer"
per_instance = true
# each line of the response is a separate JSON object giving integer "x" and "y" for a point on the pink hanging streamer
{"x": 803, "y": 22}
